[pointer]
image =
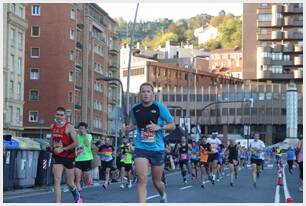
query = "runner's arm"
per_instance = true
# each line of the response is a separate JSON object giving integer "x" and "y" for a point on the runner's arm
{"x": 71, "y": 132}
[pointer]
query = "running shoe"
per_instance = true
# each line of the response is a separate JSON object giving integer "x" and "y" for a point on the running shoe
{"x": 231, "y": 184}
{"x": 122, "y": 186}
{"x": 163, "y": 199}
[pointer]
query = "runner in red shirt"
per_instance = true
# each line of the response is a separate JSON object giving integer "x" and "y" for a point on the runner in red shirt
{"x": 62, "y": 143}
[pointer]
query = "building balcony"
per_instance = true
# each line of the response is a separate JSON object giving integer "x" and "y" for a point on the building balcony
{"x": 263, "y": 37}
{"x": 298, "y": 60}
{"x": 293, "y": 35}
{"x": 113, "y": 50}
{"x": 298, "y": 48}
{"x": 292, "y": 8}
{"x": 288, "y": 47}
{"x": 287, "y": 63}
{"x": 78, "y": 106}
{"x": 263, "y": 24}
{"x": 79, "y": 63}
{"x": 277, "y": 22}
{"x": 17, "y": 20}
{"x": 298, "y": 74}
{"x": 277, "y": 48}
{"x": 288, "y": 21}
{"x": 276, "y": 35}
{"x": 277, "y": 8}
{"x": 112, "y": 84}
{"x": 270, "y": 75}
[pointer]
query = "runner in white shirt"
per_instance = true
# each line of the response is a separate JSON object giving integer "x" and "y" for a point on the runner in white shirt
{"x": 213, "y": 158}
{"x": 257, "y": 147}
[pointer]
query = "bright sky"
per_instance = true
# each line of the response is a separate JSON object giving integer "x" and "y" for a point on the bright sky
{"x": 153, "y": 11}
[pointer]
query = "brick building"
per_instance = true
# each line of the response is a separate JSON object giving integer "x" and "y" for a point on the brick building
{"x": 67, "y": 47}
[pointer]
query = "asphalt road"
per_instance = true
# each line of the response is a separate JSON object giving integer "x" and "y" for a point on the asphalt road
{"x": 221, "y": 192}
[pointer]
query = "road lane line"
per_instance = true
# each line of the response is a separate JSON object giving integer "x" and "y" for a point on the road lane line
{"x": 153, "y": 196}
{"x": 183, "y": 188}
{"x": 276, "y": 198}
{"x": 286, "y": 191}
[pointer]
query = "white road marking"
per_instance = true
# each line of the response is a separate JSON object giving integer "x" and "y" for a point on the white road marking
{"x": 183, "y": 188}
{"x": 153, "y": 196}
{"x": 286, "y": 191}
{"x": 276, "y": 198}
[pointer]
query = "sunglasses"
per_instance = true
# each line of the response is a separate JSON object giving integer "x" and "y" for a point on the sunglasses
{"x": 60, "y": 115}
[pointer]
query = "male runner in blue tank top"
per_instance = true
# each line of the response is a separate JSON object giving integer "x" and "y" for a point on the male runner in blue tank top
{"x": 150, "y": 118}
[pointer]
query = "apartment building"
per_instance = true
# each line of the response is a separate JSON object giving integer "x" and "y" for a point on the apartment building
{"x": 14, "y": 28}
{"x": 67, "y": 47}
{"x": 273, "y": 41}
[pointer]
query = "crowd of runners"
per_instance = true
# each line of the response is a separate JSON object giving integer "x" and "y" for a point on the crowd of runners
{"x": 74, "y": 152}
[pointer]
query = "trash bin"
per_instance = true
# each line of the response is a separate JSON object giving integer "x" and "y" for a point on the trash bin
{"x": 9, "y": 166}
{"x": 26, "y": 162}
{"x": 44, "y": 166}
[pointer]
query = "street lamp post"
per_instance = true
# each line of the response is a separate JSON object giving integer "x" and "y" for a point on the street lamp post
{"x": 108, "y": 79}
{"x": 129, "y": 62}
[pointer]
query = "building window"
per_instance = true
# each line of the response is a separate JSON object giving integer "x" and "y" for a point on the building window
{"x": 265, "y": 17}
{"x": 33, "y": 116}
{"x": 11, "y": 89}
{"x": 35, "y": 10}
{"x": 70, "y": 97}
{"x": 99, "y": 50}
{"x": 98, "y": 34}
{"x": 35, "y": 53}
{"x": 72, "y": 33}
{"x": 232, "y": 111}
{"x": 20, "y": 41}
{"x": 18, "y": 91}
{"x": 70, "y": 77}
{"x": 277, "y": 56}
{"x": 12, "y": 63}
{"x": 18, "y": 116}
{"x": 12, "y": 37}
{"x": 72, "y": 14}
{"x": 33, "y": 95}
{"x": 286, "y": 57}
{"x": 35, "y": 31}
{"x": 11, "y": 114}
{"x": 20, "y": 11}
{"x": 13, "y": 8}
{"x": 71, "y": 55}
{"x": 19, "y": 66}
{"x": 34, "y": 75}
{"x": 277, "y": 69}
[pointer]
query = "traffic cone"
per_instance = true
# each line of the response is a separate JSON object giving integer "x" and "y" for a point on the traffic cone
{"x": 289, "y": 200}
{"x": 280, "y": 180}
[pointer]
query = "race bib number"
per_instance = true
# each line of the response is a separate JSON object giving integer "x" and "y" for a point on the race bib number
{"x": 184, "y": 156}
{"x": 147, "y": 136}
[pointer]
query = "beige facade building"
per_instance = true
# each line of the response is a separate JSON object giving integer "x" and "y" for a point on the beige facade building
{"x": 14, "y": 27}
{"x": 273, "y": 41}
